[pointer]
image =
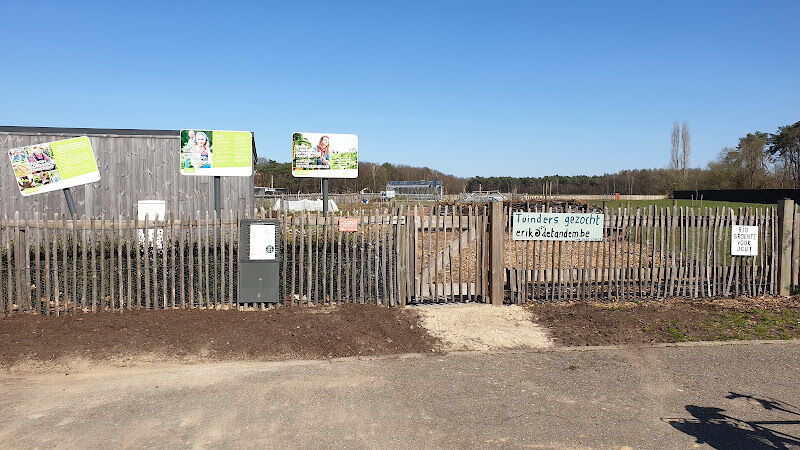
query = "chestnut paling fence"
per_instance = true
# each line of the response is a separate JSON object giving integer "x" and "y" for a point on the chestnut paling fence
{"x": 400, "y": 255}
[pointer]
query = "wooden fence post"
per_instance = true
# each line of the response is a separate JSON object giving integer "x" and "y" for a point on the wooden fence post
{"x": 785, "y": 219}
{"x": 496, "y": 264}
{"x": 402, "y": 244}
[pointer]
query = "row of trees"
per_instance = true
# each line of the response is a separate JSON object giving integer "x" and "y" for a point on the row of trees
{"x": 371, "y": 176}
{"x": 759, "y": 161}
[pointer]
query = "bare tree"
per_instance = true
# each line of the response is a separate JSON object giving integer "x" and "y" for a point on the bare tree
{"x": 674, "y": 153}
{"x": 687, "y": 148}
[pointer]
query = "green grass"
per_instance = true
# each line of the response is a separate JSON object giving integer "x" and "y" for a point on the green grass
{"x": 754, "y": 324}
{"x": 667, "y": 203}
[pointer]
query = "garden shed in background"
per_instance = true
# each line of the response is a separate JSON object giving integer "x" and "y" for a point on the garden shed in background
{"x": 134, "y": 165}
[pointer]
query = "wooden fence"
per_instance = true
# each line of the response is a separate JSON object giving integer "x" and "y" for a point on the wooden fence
{"x": 647, "y": 254}
{"x": 399, "y": 255}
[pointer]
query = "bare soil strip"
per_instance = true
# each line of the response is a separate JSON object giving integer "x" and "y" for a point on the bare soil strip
{"x": 210, "y": 335}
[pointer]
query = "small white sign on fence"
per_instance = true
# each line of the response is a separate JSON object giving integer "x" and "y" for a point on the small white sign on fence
{"x": 541, "y": 226}
{"x": 262, "y": 241}
{"x": 744, "y": 240}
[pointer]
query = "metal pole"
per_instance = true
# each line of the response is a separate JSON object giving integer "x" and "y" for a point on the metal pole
{"x": 218, "y": 197}
{"x": 70, "y": 202}
{"x": 324, "y": 197}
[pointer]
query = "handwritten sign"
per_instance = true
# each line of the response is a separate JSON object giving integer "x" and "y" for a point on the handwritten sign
{"x": 744, "y": 240}
{"x": 348, "y": 224}
{"x": 535, "y": 226}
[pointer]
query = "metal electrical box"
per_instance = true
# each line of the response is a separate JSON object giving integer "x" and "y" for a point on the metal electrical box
{"x": 259, "y": 261}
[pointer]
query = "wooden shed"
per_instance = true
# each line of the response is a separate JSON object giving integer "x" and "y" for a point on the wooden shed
{"x": 134, "y": 165}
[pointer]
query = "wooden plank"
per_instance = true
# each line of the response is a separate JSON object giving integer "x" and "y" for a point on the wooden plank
{"x": 10, "y": 278}
{"x": 129, "y": 268}
{"x": 233, "y": 257}
{"x": 146, "y": 249}
{"x": 56, "y": 292}
{"x": 182, "y": 259}
{"x": 325, "y": 226}
{"x": 339, "y": 292}
{"x": 17, "y": 279}
{"x": 360, "y": 250}
{"x": 310, "y": 265}
{"x": 448, "y": 243}
{"x": 384, "y": 257}
{"x": 284, "y": 226}
{"x": 471, "y": 232}
{"x": 36, "y": 289}
{"x": 169, "y": 247}
{"x": 47, "y": 275}
{"x": 207, "y": 294}
{"x": 625, "y": 255}
{"x": 294, "y": 257}
{"x": 194, "y": 249}
{"x": 301, "y": 250}
{"x": 120, "y": 284}
{"x": 461, "y": 252}
{"x": 154, "y": 246}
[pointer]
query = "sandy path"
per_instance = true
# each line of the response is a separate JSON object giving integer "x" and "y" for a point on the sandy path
{"x": 475, "y": 326}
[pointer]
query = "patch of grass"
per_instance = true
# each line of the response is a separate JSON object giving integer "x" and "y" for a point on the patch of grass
{"x": 676, "y": 333}
{"x": 754, "y": 324}
{"x": 667, "y": 203}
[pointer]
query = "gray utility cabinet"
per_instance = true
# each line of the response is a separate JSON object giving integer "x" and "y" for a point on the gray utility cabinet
{"x": 259, "y": 261}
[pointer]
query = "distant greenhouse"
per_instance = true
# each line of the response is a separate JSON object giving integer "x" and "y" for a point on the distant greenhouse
{"x": 417, "y": 190}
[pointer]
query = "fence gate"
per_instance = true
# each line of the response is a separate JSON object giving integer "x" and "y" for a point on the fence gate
{"x": 445, "y": 253}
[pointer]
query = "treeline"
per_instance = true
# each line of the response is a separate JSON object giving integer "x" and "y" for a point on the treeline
{"x": 371, "y": 176}
{"x": 759, "y": 161}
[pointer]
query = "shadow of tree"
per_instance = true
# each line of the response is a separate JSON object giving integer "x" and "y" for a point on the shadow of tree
{"x": 710, "y": 425}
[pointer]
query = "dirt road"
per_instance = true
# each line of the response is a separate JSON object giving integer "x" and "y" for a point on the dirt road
{"x": 654, "y": 397}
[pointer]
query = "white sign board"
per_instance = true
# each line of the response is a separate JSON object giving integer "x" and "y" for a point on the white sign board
{"x": 541, "y": 226}
{"x": 262, "y": 241}
{"x": 744, "y": 240}
{"x": 324, "y": 155}
{"x": 151, "y": 209}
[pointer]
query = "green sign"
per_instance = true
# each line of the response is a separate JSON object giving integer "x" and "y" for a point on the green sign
{"x": 216, "y": 153}
{"x": 324, "y": 155}
{"x": 54, "y": 165}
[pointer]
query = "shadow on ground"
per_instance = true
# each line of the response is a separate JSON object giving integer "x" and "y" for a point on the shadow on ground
{"x": 712, "y": 426}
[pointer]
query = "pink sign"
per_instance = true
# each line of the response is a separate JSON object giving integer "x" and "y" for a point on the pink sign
{"x": 348, "y": 224}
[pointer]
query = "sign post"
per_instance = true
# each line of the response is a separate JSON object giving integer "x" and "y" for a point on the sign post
{"x": 70, "y": 202}
{"x": 218, "y": 197}
{"x": 324, "y": 197}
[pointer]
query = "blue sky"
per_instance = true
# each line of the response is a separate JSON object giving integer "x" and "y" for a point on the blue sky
{"x": 468, "y": 88}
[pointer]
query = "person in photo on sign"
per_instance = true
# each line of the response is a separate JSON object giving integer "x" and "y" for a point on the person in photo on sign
{"x": 38, "y": 155}
{"x": 202, "y": 148}
{"x": 324, "y": 150}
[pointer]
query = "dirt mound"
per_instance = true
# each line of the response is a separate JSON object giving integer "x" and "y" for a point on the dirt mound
{"x": 209, "y": 335}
